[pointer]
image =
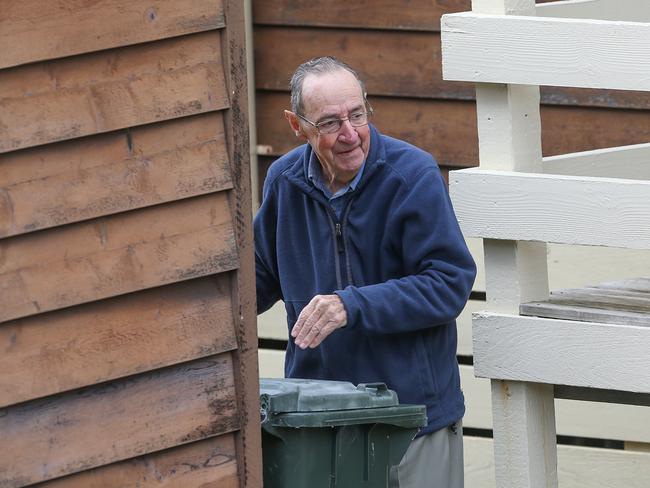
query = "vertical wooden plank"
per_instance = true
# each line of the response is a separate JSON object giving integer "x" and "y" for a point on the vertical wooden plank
{"x": 249, "y": 437}
{"x": 509, "y": 130}
{"x": 524, "y": 455}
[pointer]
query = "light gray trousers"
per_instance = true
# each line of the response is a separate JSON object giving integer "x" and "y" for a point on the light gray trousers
{"x": 432, "y": 461}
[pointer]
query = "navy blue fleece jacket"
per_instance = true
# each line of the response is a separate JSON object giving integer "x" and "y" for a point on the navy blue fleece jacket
{"x": 397, "y": 260}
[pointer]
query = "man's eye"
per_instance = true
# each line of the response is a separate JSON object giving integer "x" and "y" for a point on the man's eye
{"x": 328, "y": 124}
{"x": 357, "y": 116}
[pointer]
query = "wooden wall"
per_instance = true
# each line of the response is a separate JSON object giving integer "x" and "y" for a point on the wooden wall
{"x": 396, "y": 48}
{"x": 127, "y": 328}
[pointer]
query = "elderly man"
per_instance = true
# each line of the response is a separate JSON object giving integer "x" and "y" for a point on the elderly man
{"x": 357, "y": 235}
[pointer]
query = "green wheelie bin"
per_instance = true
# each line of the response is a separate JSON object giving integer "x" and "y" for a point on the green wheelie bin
{"x": 331, "y": 434}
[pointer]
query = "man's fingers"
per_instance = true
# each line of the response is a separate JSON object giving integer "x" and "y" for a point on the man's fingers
{"x": 322, "y": 316}
{"x": 324, "y": 330}
{"x": 304, "y": 314}
{"x": 306, "y": 326}
{"x": 318, "y": 331}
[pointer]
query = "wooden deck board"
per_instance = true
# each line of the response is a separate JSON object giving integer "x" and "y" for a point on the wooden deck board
{"x": 625, "y": 302}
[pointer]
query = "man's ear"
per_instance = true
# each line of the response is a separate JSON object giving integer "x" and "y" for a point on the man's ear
{"x": 294, "y": 122}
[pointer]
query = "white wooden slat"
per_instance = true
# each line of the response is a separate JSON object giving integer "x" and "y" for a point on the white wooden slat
{"x": 574, "y": 418}
{"x": 551, "y": 208}
{"x": 272, "y": 324}
{"x": 577, "y": 266}
{"x": 271, "y": 363}
{"x": 629, "y": 162}
{"x": 476, "y": 249}
{"x": 545, "y": 51}
{"x": 562, "y": 352}
{"x": 464, "y": 327}
{"x": 578, "y": 467}
{"x": 617, "y": 10}
{"x": 504, "y": 7}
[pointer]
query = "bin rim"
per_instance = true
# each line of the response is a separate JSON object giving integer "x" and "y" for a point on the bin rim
{"x": 405, "y": 416}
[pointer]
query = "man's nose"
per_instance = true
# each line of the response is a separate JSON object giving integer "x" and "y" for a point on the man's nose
{"x": 347, "y": 132}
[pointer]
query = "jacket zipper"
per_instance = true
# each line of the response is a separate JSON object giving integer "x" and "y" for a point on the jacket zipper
{"x": 339, "y": 237}
{"x": 348, "y": 268}
{"x": 336, "y": 229}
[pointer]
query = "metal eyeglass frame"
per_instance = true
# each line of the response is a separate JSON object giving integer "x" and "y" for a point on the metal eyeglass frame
{"x": 369, "y": 111}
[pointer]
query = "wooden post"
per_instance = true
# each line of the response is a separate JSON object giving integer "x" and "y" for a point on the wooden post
{"x": 509, "y": 131}
{"x": 249, "y": 437}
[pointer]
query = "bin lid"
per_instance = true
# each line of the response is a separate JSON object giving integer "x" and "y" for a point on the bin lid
{"x": 298, "y": 403}
{"x": 299, "y": 395}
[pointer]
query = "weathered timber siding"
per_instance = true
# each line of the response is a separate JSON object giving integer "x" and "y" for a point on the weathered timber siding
{"x": 127, "y": 327}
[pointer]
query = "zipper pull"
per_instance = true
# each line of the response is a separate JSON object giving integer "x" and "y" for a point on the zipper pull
{"x": 339, "y": 237}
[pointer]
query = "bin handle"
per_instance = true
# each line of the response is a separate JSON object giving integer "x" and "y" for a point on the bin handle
{"x": 264, "y": 408}
{"x": 378, "y": 388}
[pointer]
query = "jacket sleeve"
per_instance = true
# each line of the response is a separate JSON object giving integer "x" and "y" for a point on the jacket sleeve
{"x": 439, "y": 270}
{"x": 266, "y": 268}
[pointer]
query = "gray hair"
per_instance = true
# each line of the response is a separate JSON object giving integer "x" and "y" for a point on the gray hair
{"x": 316, "y": 66}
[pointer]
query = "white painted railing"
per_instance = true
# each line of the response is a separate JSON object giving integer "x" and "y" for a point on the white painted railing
{"x": 517, "y": 203}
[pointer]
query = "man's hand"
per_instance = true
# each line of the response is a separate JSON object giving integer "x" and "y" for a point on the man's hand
{"x": 322, "y": 316}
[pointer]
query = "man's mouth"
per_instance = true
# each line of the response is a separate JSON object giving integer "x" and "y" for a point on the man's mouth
{"x": 349, "y": 150}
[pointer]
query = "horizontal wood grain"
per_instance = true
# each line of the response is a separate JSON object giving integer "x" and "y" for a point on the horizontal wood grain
{"x": 447, "y": 128}
{"x": 379, "y": 56}
{"x": 372, "y": 14}
{"x": 45, "y": 30}
{"x": 210, "y": 463}
{"x": 610, "y": 305}
{"x": 109, "y": 90}
{"x": 100, "y": 175}
{"x": 83, "y": 262}
{"x": 561, "y": 352}
{"x": 98, "y": 425}
{"x": 545, "y": 51}
{"x": 54, "y": 352}
{"x": 552, "y": 208}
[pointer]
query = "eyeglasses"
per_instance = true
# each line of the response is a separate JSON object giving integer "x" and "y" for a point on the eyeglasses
{"x": 330, "y": 126}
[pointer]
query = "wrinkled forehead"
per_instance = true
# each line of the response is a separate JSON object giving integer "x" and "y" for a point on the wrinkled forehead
{"x": 338, "y": 91}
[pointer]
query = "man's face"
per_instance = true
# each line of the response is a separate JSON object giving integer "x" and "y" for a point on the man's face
{"x": 334, "y": 95}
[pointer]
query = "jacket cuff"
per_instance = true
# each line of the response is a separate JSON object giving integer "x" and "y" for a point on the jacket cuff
{"x": 351, "y": 306}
